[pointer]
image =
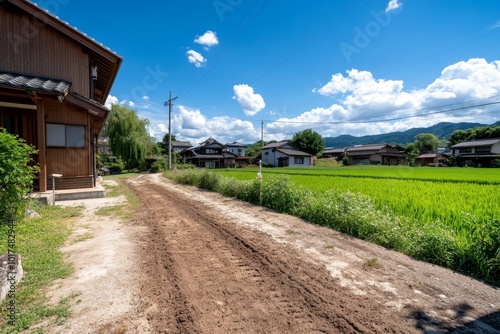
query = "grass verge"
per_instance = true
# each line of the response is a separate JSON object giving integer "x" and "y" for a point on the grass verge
{"x": 38, "y": 241}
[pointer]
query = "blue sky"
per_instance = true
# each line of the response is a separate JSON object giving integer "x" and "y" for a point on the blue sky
{"x": 338, "y": 67}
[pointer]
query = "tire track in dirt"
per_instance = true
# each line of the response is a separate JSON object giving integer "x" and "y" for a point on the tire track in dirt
{"x": 204, "y": 274}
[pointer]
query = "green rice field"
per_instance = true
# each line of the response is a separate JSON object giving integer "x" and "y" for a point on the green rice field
{"x": 427, "y": 194}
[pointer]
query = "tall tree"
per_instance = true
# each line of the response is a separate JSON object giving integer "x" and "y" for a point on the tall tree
{"x": 128, "y": 135}
{"x": 309, "y": 141}
{"x": 164, "y": 143}
{"x": 426, "y": 142}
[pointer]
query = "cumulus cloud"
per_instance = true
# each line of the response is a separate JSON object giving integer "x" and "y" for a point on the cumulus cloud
{"x": 366, "y": 105}
{"x": 392, "y": 5}
{"x": 196, "y": 58}
{"x": 250, "y": 102}
{"x": 131, "y": 103}
{"x": 190, "y": 124}
{"x": 110, "y": 100}
{"x": 208, "y": 39}
{"x": 145, "y": 98}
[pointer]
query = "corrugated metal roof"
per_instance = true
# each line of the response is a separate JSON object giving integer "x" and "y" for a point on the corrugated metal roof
{"x": 47, "y": 85}
{"x": 477, "y": 143}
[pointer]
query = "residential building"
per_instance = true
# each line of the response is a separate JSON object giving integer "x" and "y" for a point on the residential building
{"x": 383, "y": 154}
{"x": 179, "y": 146}
{"x": 54, "y": 81}
{"x": 336, "y": 153}
{"x": 236, "y": 148}
{"x": 209, "y": 154}
{"x": 478, "y": 153}
{"x": 283, "y": 154}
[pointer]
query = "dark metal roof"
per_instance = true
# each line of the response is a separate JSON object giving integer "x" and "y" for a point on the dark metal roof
{"x": 477, "y": 143}
{"x": 366, "y": 147}
{"x": 179, "y": 143}
{"x": 236, "y": 144}
{"x": 41, "y": 84}
{"x": 294, "y": 153}
{"x": 275, "y": 145}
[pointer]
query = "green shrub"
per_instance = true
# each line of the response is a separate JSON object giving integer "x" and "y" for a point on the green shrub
{"x": 17, "y": 171}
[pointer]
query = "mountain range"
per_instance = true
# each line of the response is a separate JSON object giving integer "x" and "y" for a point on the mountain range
{"x": 442, "y": 130}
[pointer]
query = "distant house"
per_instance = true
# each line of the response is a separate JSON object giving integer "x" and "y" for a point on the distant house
{"x": 209, "y": 154}
{"x": 384, "y": 154}
{"x": 283, "y": 154}
{"x": 236, "y": 148}
{"x": 477, "y": 153}
{"x": 433, "y": 159}
{"x": 54, "y": 81}
{"x": 336, "y": 153}
{"x": 178, "y": 146}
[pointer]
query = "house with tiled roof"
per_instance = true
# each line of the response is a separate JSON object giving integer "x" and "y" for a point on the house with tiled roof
{"x": 209, "y": 154}
{"x": 283, "y": 154}
{"x": 179, "y": 145}
{"x": 478, "y": 153}
{"x": 383, "y": 154}
{"x": 54, "y": 81}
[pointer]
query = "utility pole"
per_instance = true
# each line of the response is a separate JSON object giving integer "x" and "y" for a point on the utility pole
{"x": 170, "y": 104}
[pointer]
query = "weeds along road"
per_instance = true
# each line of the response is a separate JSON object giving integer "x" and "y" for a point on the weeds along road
{"x": 206, "y": 272}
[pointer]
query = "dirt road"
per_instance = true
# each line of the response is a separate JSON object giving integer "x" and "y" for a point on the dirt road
{"x": 215, "y": 265}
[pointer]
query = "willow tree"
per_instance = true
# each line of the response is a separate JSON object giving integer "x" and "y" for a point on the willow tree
{"x": 128, "y": 136}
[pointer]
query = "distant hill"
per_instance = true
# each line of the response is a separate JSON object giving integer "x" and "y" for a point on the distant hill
{"x": 441, "y": 130}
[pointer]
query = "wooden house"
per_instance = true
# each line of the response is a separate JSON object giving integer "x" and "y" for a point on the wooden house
{"x": 54, "y": 81}
{"x": 209, "y": 154}
{"x": 478, "y": 153}
{"x": 384, "y": 154}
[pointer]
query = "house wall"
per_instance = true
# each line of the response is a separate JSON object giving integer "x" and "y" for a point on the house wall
{"x": 56, "y": 56}
{"x": 75, "y": 164}
{"x": 307, "y": 162}
{"x": 496, "y": 148}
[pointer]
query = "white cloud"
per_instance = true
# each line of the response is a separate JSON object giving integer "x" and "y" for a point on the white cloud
{"x": 145, "y": 98}
{"x": 250, "y": 102}
{"x": 392, "y": 5}
{"x": 196, "y": 58}
{"x": 110, "y": 100}
{"x": 131, "y": 103}
{"x": 360, "y": 98}
{"x": 208, "y": 39}
{"x": 191, "y": 124}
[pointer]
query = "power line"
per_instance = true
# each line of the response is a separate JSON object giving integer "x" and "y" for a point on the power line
{"x": 386, "y": 119}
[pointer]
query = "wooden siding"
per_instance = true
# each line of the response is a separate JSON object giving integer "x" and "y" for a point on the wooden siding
{"x": 68, "y": 161}
{"x": 31, "y": 47}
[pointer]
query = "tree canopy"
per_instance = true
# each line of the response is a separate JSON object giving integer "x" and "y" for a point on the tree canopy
{"x": 309, "y": 141}
{"x": 164, "y": 143}
{"x": 480, "y": 132}
{"x": 128, "y": 135}
{"x": 426, "y": 142}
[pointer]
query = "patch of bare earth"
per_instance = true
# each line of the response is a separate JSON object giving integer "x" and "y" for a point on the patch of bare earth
{"x": 193, "y": 261}
{"x": 102, "y": 290}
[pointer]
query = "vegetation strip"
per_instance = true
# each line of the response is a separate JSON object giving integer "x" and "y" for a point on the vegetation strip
{"x": 38, "y": 240}
{"x": 477, "y": 252}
